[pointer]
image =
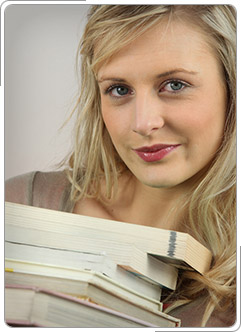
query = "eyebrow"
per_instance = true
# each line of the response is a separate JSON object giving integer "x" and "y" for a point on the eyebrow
{"x": 176, "y": 71}
{"x": 164, "y": 74}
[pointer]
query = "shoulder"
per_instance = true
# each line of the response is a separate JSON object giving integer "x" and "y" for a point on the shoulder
{"x": 42, "y": 189}
{"x": 19, "y": 188}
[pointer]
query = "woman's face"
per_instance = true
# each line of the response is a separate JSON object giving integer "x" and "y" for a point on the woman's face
{"x": 163, "y": 102}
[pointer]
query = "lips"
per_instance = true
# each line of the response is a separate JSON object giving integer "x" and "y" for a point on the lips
{"x": 155, "y": 152}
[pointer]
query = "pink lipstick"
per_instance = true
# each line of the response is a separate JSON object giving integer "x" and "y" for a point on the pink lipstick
{"x": 155, "y": 152}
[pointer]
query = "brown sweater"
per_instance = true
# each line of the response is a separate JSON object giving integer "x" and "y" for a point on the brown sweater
{"x": 51, "y": 191}
{"x": 46, "y": 190}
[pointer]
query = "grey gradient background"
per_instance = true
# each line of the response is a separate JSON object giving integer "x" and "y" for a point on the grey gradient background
{"x": 40, "y": 83}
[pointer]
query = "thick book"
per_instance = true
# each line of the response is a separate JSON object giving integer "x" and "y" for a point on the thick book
{"x": 81, "y": 283}
{"x": 137, "y": 263}
{"x": 33, "y": 306}
{"x": 32, "y": 258}
{"x": 63, "y": 230}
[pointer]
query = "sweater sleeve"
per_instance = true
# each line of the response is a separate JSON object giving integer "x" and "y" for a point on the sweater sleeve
{"x": 49, "y": 190}
{"x": 19, "y": 189}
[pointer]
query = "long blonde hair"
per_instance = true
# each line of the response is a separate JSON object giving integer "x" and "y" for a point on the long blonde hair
{"x": 211, "y": 205}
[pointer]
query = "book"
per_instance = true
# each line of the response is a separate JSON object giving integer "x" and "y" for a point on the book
{"x": 82, "y": 283}
{"x": 63, "y": 230}
{"x": 136, "y": 262}
{"x": 33, "y": 306}
{"x": 33, "y": 257}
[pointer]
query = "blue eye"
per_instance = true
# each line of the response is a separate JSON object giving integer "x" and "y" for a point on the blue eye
{"x": 118, "y": 91}
{"x": 121, "y": 90}
{"x": 173, "y": 86}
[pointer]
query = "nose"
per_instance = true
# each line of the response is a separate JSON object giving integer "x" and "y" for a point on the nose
{"x": 148, "y": 116}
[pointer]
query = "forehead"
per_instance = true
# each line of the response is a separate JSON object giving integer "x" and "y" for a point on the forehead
{"x": 166, "y": 42}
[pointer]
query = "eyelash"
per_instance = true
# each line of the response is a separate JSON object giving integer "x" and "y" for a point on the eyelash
{"x": 114, "y": 86}
{"x": 184, "y": 85}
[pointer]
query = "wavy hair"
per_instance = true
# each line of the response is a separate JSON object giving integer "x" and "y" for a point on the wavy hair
{"x": 211, "y": 204}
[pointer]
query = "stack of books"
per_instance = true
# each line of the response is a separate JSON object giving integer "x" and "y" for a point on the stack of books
{"x": 67, "y": 270}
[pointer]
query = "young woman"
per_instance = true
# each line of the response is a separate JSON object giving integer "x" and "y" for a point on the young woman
{"x": 155, "y": 139}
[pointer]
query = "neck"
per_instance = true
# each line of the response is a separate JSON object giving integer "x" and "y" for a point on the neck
{"x": 159, "y": 207}
{"x": 155, "y": 207}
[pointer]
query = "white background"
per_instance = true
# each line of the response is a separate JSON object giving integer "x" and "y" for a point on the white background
{"x": 40, "y": 83}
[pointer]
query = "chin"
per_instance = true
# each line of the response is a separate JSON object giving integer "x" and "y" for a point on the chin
{"x": 159, "y": 183}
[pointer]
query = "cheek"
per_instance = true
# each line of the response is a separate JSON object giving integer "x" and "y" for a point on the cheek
{"x": 207, "y": 112}
{"x": 108, "y": 117}
{"x": 116, "y": 122}
{"x": 212, "y": 120}
{"x": 204, "y": 126}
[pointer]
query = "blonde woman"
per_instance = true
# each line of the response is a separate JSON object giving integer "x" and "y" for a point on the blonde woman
{"x": 155, "y": 139}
